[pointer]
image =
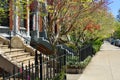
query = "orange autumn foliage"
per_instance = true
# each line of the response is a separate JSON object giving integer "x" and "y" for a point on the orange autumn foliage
{"x": 92, "y": 27}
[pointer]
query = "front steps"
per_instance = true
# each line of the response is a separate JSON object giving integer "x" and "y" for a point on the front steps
{"x": 10, "y": 57}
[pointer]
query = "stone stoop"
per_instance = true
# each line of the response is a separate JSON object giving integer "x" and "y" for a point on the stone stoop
{"x": 15, "y": 56}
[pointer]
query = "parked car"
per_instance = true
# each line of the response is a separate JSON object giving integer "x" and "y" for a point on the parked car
{"x": 117, "y": 42}
{"x": 112, "y": 41}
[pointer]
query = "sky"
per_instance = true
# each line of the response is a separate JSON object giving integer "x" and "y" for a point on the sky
{"x": 114, "y": 7}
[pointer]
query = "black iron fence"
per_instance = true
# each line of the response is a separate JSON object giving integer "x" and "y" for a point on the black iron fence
{"x": 85, "y": 51}
{"x": 47, "y": 67}
{"x": 44, "y": 68}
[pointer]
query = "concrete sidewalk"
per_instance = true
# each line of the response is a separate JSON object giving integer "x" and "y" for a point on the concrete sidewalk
{"x": 105, "y": 65}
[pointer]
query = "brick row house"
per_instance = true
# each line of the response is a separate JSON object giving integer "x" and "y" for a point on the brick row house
{"x": 26, "y": 24}
{"x": 32, "y": 20}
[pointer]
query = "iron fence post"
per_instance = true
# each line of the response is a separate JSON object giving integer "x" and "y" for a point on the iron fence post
{"x": 9, "y": 75}
{"x": 26, "y": 75}
{"x": 65, "y": 78}
{"x": 3, "y": 75}
{"x": 53, "y": 67}
{"x": 36, "y": 64}
{"x": 79, "y": 55}
{"x": 22, "y": 72}
{"x": 13, "y": 72}
{"x": 32, "y": 73}
{"x": 29, "y": 69}
{"x": 40, "y": 57}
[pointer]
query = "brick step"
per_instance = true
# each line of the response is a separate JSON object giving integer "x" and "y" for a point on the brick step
{"x": 12, "y": 51}
{"x": 18, "y": 55}
{"x": 20, "y": 60}
{"x": 3, "y": 46}
{"x": 26, "y": 63}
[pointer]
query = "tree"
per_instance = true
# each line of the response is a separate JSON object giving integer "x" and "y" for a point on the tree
{"x": 64, "y": 17}
{"x": 116, "y": 33}
{"x": 98, "y": 24}
{"x": 117, "y": 25}
{"x": 4, "y": 11}
{"x": 118, "y": 16}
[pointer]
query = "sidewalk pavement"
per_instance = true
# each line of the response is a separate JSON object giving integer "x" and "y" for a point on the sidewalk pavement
{"x": 73, "y": 76}
{"x": 105, "y": 65}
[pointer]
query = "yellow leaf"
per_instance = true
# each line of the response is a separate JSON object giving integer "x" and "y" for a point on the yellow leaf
{"x": 42, "y": 1}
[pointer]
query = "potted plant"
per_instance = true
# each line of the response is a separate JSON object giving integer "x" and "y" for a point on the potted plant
{"x": 76, "y": 67}
{"x": 73, "y": 65}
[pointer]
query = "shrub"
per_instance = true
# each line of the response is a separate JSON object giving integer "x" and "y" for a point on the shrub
{"x": 60, "y": 76}
{"x": 74, "y": 63}
{"x": 96, "y": 45}
{"x": 84, "y": 63}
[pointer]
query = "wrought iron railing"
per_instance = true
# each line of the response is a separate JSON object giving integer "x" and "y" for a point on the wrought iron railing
{"x": 44, "y": 68}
